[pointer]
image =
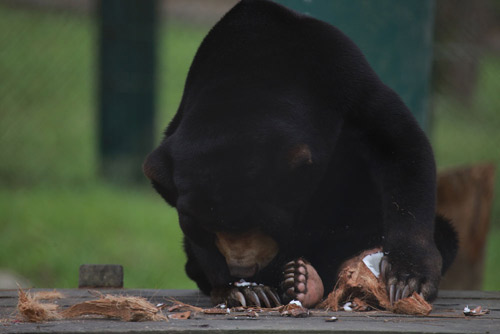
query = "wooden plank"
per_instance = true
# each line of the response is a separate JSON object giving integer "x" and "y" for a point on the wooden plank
{"x": 468, "y": 294}
{"x": 465, "y": 195}
{"x": 447, "y": 317}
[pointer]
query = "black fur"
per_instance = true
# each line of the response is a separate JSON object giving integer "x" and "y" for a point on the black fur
{"x": 265, "y": 80}
{"x": 446, "y": 239}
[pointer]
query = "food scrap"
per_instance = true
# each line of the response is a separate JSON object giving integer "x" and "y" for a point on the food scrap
{"x": 294, "y": 309}
{"x": 180, "y": 315}
{"x": 476, "y": 311}
{"x": 347, "y": 307}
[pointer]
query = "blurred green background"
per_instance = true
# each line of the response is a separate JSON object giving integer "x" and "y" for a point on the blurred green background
{"x": 56, "y": 213}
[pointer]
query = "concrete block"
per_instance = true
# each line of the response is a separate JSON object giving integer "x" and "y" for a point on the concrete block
{"x": 100, "y": 276}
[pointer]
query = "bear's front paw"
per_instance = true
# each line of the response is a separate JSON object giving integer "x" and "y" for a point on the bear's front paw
{"x": 246, "y": 294}
{"x": 404, "y": 274}
{"x": 302, "y": 282}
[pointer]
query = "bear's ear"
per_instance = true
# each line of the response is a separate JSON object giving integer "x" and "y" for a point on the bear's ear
{"x": 299, "y": 155}
{"x": 158, "y": 170}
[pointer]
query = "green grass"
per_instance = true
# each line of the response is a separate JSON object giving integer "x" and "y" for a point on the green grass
{"x": 47, "y": 128}
{"x": 48, "y": 93}
{"x": 469, "y": 134}
{"x": 54, "y": 212}
{"x": 49, "y": 232}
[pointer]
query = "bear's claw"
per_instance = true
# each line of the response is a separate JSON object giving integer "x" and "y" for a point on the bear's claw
{"x": 253, "y": 295}
{"x": 401, "y": 286}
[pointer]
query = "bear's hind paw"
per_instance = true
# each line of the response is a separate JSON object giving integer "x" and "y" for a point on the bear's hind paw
{"x": 301, "y": 282}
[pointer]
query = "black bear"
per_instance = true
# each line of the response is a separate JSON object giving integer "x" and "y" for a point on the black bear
{"x": 287, "y": 156}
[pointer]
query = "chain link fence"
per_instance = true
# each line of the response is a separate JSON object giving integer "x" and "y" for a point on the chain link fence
{"x": 48, "y": 84}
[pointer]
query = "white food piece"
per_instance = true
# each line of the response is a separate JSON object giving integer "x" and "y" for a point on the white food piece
{"x": 296, "y": 302}
{"x": 347, "y": 307}
{"x": 372, "y": 261}
{"x": 242, "y": 283}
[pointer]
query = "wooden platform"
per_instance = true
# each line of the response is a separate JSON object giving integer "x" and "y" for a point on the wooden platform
{"x": 447, "y": 317}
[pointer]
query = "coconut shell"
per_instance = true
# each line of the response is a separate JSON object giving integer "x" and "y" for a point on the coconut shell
{"x": 415, "y": 305}
{"x": 356, "y": 283}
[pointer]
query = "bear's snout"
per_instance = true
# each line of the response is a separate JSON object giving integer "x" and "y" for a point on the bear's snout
{"x": 246, "y": 253}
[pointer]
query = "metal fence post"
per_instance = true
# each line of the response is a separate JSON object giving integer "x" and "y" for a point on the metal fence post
{"x": 126, "y": 97}
{"x": 396, "y": 37}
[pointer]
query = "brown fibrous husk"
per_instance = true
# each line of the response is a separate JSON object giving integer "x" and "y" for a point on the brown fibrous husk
{"x": 32, "y": 310}
{"x": 120, "y": 307}
{"x": 360, "y": 305}
{"x": 356, "y": 283}
{"x": 180, "y": 306}
{"x": 415, "y": 304}
{"x": 48, "y": 295}
{"x": 125, "y": 308}
{"x": 180, "y": 315}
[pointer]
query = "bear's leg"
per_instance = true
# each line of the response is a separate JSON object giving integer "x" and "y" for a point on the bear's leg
{"x": 400, "y": 287}
{"x": 301, "y": 282}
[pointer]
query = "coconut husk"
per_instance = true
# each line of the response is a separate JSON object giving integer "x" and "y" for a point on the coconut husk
{"x": 120, "y": 307}
{"x": 415, "y": 305}
{"x": 48, "y": 295}
{"x": 356, "y": 283}
{"x": 32, "y": 310}
{"x": 180, "y": 316}
{"x": 360, "y": 305}
{"x": 355, "y": 280}
{"x": 180, "y": 306}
